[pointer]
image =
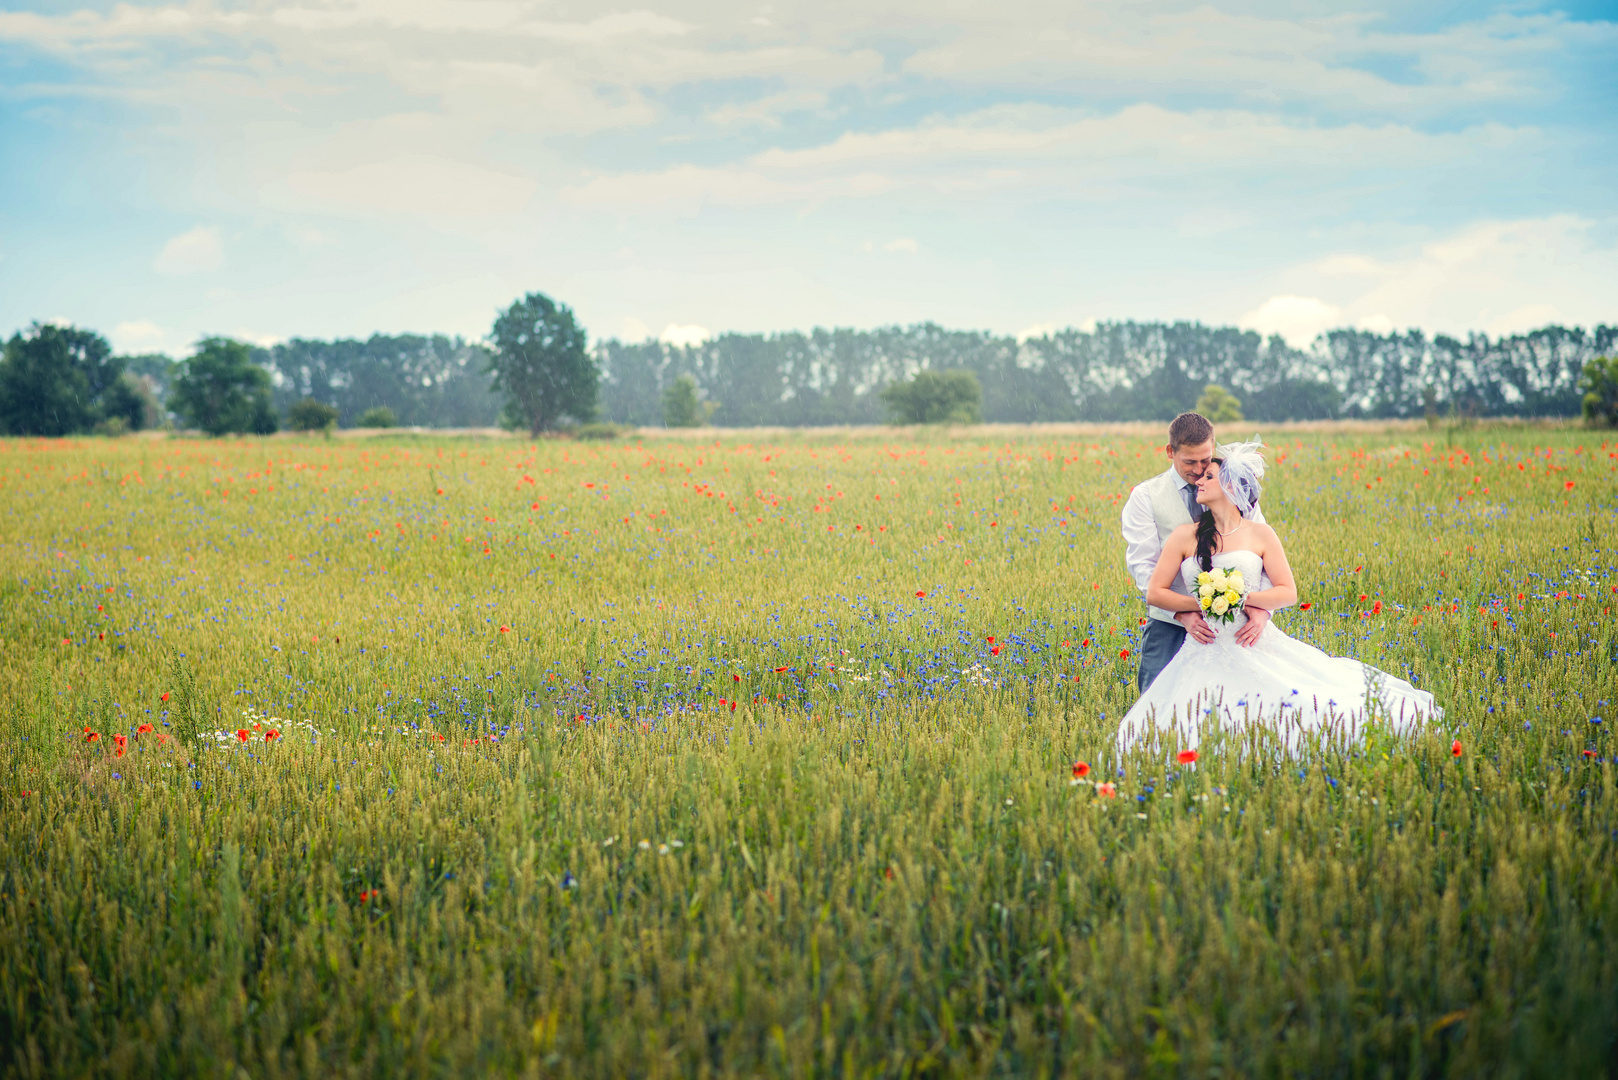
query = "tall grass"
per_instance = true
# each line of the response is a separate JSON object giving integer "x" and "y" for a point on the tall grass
{"x": 564, "y": 816}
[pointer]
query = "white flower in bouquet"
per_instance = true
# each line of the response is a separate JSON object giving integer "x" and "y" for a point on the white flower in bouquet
{"x": 1235, "y": 581}
{"x": 1206, "y": 589}
{"x": 1220, "y": 605}
{"x": 1217, "y": 577}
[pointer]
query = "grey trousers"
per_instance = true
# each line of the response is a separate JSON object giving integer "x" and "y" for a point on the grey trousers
{"x": 1157, "y": 647}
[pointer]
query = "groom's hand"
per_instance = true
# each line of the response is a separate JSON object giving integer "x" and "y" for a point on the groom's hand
{"x": 1257, "y": 619}
{"x": 1195, "y": 625}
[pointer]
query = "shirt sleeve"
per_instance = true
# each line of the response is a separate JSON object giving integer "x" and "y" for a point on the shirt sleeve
{"x": 1141, "y": 547}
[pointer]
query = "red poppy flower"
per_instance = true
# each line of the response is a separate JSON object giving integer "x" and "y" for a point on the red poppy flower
{"x": 1363, "y": 598}
{"x": 1108, "y": 790}
{"x": 1123, "y": 654}
{"x": 271, "y": 735}
{"x": 990, "y": 639}
{"x": 994, "y": 650}
{"x": 1455, "y": 748}
{"x": 1589, "y": 753}
{"x": 1305, "y": 606}
{"x": 164, "y": 697}
{"x": 92, "y": 736}
{"x": 1081, "y": 769}
{"x": 1568, "y": 486}
{"x": 440, "y": 738}
{"x": 921, "y": 593}
{"x": 779, "y": 670}
{"x": 505, "y": 629}
{"x": 241, "y": 733}
{"x": 1376, "y": 608}
{"x": 1085, "y": 644}
{"x": 1186, "y": 757}
{"x": 143, "y": 729}
{"x": 735, "y": 678}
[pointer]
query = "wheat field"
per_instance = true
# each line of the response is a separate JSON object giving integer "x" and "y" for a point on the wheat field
{"x": 426, "y": 755}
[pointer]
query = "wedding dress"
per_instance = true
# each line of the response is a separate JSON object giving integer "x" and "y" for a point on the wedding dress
{"x": 1280, "y": 682}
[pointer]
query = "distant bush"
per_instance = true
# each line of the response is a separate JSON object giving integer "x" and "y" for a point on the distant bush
{"x": 935, "y": 397}
{"x": 378, "y": 417}
{"x": 1600, "y": 386}
{"x": 221, "y": 390}
{"x": 599, "y": 431}
{"x": 683, "y": 406}
{"x": 312, "y": 415}
{"x": 112, "y": 427}
{"x": 1219, "y": 405}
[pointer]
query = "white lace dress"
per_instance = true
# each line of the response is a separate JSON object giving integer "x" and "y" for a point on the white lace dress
{"x": 1287, "y": 686}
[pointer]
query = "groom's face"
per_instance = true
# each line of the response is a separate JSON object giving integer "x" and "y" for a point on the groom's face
{"x": 1191, "y": 461}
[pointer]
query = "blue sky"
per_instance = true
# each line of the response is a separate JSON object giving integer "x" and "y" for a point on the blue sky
{"x": 279, "y": 168}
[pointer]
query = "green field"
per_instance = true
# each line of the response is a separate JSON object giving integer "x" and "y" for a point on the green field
{"x": 714, "y": 757}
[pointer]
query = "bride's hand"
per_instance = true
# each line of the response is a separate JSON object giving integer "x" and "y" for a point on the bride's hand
{"x": 1247, "y": 634}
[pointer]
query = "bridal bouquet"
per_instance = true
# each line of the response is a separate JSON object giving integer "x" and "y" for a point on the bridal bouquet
{"x": 1220, "y": 592}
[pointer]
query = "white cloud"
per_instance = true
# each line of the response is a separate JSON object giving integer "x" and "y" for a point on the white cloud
{"x": 766, "y": 112}
{"x": 416, "y": 185}
{"x": 194, "y": 251}
{"x": 904, "y": 244}
{"x": 1497, "y": 276}
{"x": 633, "y": 330}
{"x": 683, "y": 336}
{"x": 138, "y": 336}
{"x": 1298, "y": 319}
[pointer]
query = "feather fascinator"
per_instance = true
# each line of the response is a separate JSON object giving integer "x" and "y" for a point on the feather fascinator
{"x": 1241, "y": 473}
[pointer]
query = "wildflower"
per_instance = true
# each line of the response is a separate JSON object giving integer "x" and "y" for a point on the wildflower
{"x": 1107, "y": 790}
{"x": 1589, "y": 753}
{"x": 994, "y": 651}
{"x": 1363, "y": 598}
{"x": 1186, "y": 757}
{"x": 271, "y": 735}
{"x": 735, "y": 678}
{"x": 440, "y": 738}
{"x": 91, "y": 736}
{"x": 241, "y": 734}
{"x": 1123, "y": 654}
{"x": 1305, "y": 606}
{"x": 645, "y": 845}
{"x": 1085, "y": 644}
{"x": 143, "y": 729}
{"x": 1081, "y": 769}
{"x": 1568, "y": 486}
{"x": 887, "y": 872}
{"x": 921, "y": 593}
{"x": 779, "y": 670}
{"x": 1376, "y": 608}
{"x": 505, "y": 629}
{"x": 164, "y": 696}
{"x": 568, "y": 880}
{"x": 369, "y": 895}
{"x": 122, "y": 742}
{"x": 1455, "y": 748}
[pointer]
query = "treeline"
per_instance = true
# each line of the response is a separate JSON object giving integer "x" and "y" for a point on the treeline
{"x": 1118, "y": 371}
{"x": 537, "y": 372}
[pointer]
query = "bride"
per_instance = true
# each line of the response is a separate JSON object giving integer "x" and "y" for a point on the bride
{"x": 1239, "y": 680}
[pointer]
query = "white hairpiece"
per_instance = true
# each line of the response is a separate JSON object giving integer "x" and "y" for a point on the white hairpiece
{"x": 1241, "y": 473}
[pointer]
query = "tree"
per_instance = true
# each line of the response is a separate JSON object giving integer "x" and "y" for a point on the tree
{"x": 683, "y": 405}
{"x": 1600, "y": 385}
{"x": 54, "y": 380}
{"x": 311, "y": 415}
{"x": 221, "y": 390}
{"x": 377, "y": 416}
{"x": 935, "y": 397}
{"x": 541, "y": 364}
{"x": 1219, "y": 405}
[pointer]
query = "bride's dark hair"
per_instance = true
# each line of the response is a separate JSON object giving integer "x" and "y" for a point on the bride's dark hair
{"x": 1207, "y": 534}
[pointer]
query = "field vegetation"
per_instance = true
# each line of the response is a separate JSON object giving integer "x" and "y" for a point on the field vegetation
{"x": 436, "y": 756}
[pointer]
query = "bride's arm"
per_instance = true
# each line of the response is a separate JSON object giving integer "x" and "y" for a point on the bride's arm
{"x": 1180, "y": 546}
{"x": 1283, "y": 592}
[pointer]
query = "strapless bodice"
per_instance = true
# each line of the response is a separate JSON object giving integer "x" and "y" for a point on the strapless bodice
{"x": 1248, "y": 562}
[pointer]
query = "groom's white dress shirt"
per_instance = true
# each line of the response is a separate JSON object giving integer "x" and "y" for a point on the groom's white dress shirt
{"x": 1155, "y": 508}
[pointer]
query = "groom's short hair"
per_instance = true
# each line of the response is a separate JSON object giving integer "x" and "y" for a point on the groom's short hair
{"x": 1190, "y": 429}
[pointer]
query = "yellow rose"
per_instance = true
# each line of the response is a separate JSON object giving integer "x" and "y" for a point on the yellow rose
{"x": 1234, "y": 579}
{"x": 1204, "y": 577}
{"x": 1233, "y": 598}
{"x": 1220, "y": 605}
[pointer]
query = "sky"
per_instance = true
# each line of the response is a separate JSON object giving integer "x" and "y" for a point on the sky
{"x": 269, "y": 169}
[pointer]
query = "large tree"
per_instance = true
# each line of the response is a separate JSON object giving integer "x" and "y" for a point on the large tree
{"x": 541, "y": 364}
{"x": 221, "y": 390}
{"x": 54, "y": 380}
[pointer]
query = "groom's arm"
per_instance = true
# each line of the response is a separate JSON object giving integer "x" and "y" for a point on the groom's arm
{"x": 1141, "y": 547}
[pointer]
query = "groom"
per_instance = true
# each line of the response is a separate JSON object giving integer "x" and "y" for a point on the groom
{"x": 1156, "y": 508}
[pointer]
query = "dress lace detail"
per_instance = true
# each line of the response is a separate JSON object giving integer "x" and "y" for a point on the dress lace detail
{"x": 1289, "y": 687}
